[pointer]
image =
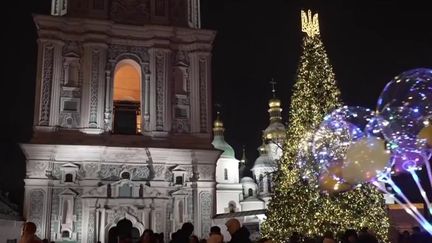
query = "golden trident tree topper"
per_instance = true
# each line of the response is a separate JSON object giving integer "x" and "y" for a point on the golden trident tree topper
{"x": 309, "y": 23}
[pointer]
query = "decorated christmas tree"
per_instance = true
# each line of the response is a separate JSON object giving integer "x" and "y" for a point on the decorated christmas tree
{"x": 298, "y": 204}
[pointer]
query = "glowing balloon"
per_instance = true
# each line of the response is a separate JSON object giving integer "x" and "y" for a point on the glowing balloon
{"x": 364, "y": 160}
{"x": 337, "y": 131}
{"x": 330, "y": 180}
{"x": 426, "y": 133}
{"x": 412, "y": 89}
{"x": 400, "y": 125}
{"x": 407, "y": 160}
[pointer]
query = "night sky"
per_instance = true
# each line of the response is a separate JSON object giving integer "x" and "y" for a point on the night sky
{"x": 368, "y": 43}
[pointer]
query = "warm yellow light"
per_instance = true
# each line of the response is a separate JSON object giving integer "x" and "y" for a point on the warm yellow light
{"x": 127, "y": 83}
{"x": 310, "y": 23}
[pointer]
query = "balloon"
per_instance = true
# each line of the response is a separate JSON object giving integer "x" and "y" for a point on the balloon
{"x": 412, "y": 89}
{"x": 330, "y": 181}
{"x": 426, "y": 133}
{"x": 407, "y": 160}
{"x": 337, "y": 131}
{"x": 400, "y": 125}
{"x": 364, "y": 160}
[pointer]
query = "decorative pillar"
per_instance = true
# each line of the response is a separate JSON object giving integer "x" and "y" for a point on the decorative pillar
{"x": 55, "y": 83}
{"x": 160, "y": 101}
{"x": 200, "y": 96}
{"x": 108, "y": 103}
{"x": 93, "y": 88}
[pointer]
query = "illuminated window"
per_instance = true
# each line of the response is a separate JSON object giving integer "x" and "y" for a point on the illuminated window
{"x": 127, "y": 97}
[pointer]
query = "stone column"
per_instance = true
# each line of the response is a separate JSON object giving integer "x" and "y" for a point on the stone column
{"x": 55, "y": 83}
{"x": 160, "y": 100}
{"x": 93, "y": 87}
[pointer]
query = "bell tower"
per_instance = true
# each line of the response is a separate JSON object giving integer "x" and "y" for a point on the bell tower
{"x": 184, "y": 13}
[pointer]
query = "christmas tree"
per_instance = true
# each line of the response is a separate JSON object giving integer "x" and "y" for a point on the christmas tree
{"x": 298, "y": 205}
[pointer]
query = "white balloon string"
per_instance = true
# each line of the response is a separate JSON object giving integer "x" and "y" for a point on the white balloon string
{"x": 418, "y": 217}
{"x": 421, "y": 189}
{"x": 395, "y": 188}
{"x": 429, "y": 173}
{"x": 410, "y": 209}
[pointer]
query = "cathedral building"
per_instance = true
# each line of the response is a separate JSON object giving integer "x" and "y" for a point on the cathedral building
{"x": 242, "y": 196}
{"x": 122, "y": 121}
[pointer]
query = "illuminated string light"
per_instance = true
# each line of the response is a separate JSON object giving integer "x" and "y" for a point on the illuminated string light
{"x": 298, "y": 205}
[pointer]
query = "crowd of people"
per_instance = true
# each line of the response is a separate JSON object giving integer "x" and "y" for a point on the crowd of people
{"x": 240, "y": 234}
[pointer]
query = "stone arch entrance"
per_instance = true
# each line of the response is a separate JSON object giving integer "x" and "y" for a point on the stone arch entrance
{"x": 123, "y": 229}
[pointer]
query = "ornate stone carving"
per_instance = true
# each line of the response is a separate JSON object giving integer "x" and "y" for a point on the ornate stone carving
{"x": 91, "y": 170}
{"x": 36, "y": 213}
{"x": 94, "y": 83}
{"x": 203, "y": 93}
{"x": 181, "y": 58}
{"x": 168, "y": 175}
{"x": 110, "y": 172}
{"x": 36, "y": 169}
{"x": 114, "y": 51}
{"x": 47, "y": 70}
{"x": 56, "y": 172}
{"x": 91, "y": 227}
{"x": 159, "y": 171}
{"x": 160, "y": 67}
{"x": 120, "y": 212}
{"x": 130, "y": 11}
{"x": 181, "y": 126}
{"x": 69, "y": 119}
{"x": 206, "y": 172}
{"x": 159, "y": 225}
{"x": 140, "y": 173}
{"x": 206, "y": 209}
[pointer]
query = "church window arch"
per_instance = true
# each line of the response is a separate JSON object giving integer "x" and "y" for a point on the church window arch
{"x": 127, "y": 98}
{"x": 68, "y": 177}
{"x": 261, "y": 183}
{"x": 250, "y": 192}
{"x": 232, "y": 207}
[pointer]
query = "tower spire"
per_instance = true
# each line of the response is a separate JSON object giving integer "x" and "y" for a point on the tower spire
{"x": 310, "y": 23}
{"x": 272, "y": 82}
{"x": 274, "y": 105}
{"x": 218, "y": 128}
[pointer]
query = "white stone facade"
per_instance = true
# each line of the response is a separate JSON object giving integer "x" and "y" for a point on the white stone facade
{"x": 81, "y": 176}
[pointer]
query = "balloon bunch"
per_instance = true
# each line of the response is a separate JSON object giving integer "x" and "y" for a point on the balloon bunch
{"x": 354, "y": 145}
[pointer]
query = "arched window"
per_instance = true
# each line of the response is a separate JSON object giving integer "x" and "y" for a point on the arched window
{"x": 127, "y": 97}
{"x": 269, "y": 183}
{"x": 108, "y": 190}
{"x": 141, "y": 191}
{"x": 68, "y": 177}
{"x": 261, "y": 183}
{"x": 125, "y": 175}
{"x": 225, "y": 174}
{"x": 65, "y": 234}
{"x": 250, "y": 192}
{"x": 231, "y": 207}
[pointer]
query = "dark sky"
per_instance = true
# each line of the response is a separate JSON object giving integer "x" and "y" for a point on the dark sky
{"x": 368, "y": 43}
